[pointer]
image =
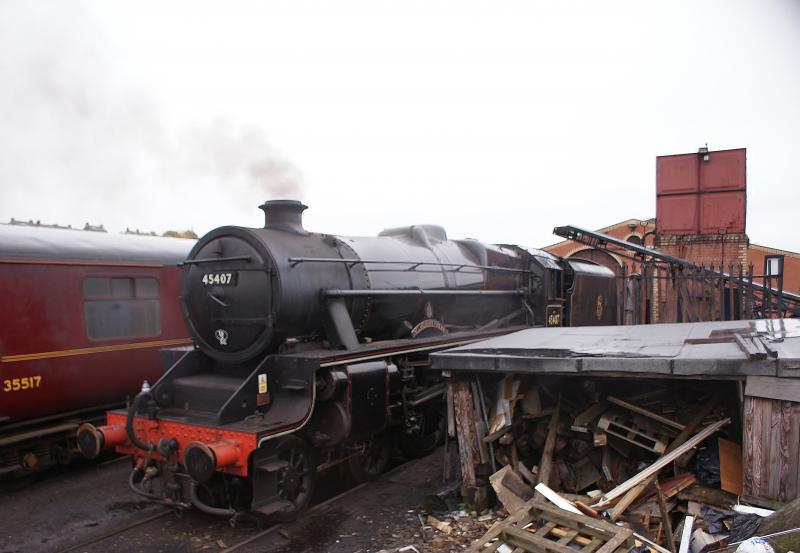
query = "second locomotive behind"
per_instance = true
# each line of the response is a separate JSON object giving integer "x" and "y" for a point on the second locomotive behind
{"x": 311, "y": 351}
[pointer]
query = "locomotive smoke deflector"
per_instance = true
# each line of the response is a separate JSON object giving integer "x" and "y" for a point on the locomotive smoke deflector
{"x": 286, "y": 215}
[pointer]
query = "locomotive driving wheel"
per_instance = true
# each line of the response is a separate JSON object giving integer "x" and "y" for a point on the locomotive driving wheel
{"x": 296, "y": 481}
{"x": 371, "y": 464}
{"x": 427, "y": 433}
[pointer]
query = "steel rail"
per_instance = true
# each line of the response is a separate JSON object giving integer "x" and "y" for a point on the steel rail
{"x": 115, "y": 532}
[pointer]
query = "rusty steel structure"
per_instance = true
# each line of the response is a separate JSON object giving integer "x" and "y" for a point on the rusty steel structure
{"x": 655, "y": 287}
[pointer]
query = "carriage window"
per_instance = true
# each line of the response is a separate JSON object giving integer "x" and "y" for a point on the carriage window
{"x": 146, "y": 288}
{"x": 121, "y": 307}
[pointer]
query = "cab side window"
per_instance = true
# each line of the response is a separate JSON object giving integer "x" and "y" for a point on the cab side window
{"x": 121, "y": 307}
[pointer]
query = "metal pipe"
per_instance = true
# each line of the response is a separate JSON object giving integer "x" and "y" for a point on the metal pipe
{"x": 139, "y": 491}
{"x": 412, "y": 264}
{"x": 431, "y": 393}
{"x": 130, "y": 430}
{"x": 208, "y": 509}
{"x": 334, "y": 293}
{"x": 215, "y": 259}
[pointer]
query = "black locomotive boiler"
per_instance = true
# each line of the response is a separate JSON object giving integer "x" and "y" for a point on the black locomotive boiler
{"x": 311, "y": 350}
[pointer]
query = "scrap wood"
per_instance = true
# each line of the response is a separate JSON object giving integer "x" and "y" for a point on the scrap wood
{"x": 599, "y": 438}
{"x": 497, "y": 434}
{"x": 730, "y": 466}
{"x": 531, "y": 404}
{"x": 526, "y": 474}
{"x": 686, "y": 534}
{"x": 634, "y": 429}
{"x": 647, "y": 413}
{"x": 696, "y": 421}
{"x": 563, "y": 532}
{"x": 586, "y": 510}
{"x": 665, "y": 518}
{"x": 439, "y": 525}
{"x": 507, "y": 485}
{"x": 507, "y": 390}
{"x": 650, "y": 543}
{"x": 588, "y": 415}
{"x": 707, "y": 495}
{"x": 747, "y": 509}
{"x": 650, "y": 508}
{"x": 514, "y": 483}
{"x": 585, "y": 474}
{"x": 546, "y": 463}
{"x": 543, "y": 413}
{"x": 670, "y": 487}
{"x": 587, "y": 534}
{"x": 556, "y": 499}
{"x": 784, "y": 518}
{"x": 663, "y": 461}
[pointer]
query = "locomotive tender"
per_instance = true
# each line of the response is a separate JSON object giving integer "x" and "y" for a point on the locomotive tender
{"x": 311, "y": 351}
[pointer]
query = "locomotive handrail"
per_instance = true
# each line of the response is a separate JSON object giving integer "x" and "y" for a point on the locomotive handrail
{"x": 213, "y": 259}
{"x": 413, "y": 264}
{"x": 334, "y": 293}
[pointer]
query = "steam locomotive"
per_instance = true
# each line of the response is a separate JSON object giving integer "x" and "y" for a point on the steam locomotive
{"x": 311, "y": 351}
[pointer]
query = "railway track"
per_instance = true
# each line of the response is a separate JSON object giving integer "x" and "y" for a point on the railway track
{"x": 116, "y": 532}
{"x": 221, "y": 533}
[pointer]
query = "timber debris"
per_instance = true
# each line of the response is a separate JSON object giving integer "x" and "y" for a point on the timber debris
{"x": 603, "y": 465}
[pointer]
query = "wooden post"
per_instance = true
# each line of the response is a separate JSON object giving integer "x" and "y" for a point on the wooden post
{"x": 785, "y": 518}
{"x": 468, "y": 452}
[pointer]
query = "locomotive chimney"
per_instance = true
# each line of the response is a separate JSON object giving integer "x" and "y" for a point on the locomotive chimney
{"x": 286, "y": 215}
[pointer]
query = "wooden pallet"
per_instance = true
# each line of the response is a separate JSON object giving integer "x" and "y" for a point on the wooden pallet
{"x": 636, "y": 430}
{"x": 540, "y": 527}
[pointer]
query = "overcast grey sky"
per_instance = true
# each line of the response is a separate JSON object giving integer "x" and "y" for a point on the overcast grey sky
{"x": 498, "y": 120}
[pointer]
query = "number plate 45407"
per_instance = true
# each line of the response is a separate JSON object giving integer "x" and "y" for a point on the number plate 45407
{"x": 226, "y": 278}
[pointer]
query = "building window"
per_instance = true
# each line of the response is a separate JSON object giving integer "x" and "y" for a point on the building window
{"x": 121, "y": 307}
{"x": 634, "y": 239}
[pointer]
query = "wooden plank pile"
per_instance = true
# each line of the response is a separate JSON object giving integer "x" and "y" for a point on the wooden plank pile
{"x": 607, "y": 451}
{"x": 538, "y": 527}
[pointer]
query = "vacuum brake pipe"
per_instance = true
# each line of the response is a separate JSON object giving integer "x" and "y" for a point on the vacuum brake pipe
{"x": 129, "y": 430}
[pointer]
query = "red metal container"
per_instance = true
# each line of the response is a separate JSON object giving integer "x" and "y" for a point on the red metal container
{"x": 701, "y": 193}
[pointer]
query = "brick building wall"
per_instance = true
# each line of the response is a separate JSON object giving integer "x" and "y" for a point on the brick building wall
{"x": 791, "y": 265}
{"x": 709, "y": 250}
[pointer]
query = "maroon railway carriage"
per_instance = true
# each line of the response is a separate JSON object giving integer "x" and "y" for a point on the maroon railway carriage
{"x": 84, "y": 315}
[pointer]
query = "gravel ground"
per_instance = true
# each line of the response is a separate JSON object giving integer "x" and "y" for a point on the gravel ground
{"x": 386, "y": 515}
